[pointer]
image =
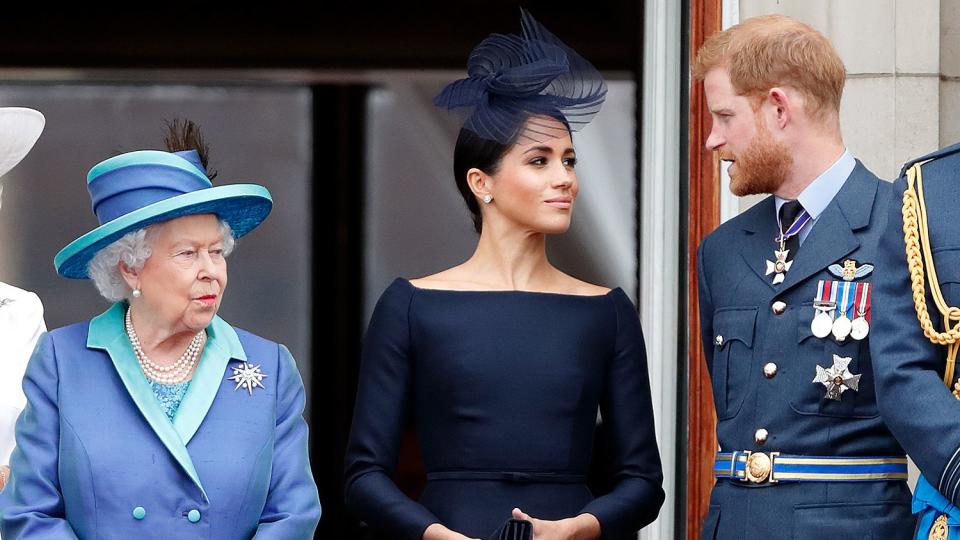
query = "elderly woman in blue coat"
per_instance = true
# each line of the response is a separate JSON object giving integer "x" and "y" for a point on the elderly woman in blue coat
{"x": 157, "y": 419}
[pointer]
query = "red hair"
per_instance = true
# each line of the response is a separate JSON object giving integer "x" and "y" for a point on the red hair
{"x": 764, "y": 52}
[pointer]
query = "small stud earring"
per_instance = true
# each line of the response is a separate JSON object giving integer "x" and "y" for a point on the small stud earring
{"x": 137, "y": 293}
{"x": 488, "y": 198}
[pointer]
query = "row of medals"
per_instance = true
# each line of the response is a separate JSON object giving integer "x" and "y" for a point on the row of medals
{"x": 824, "y": 324}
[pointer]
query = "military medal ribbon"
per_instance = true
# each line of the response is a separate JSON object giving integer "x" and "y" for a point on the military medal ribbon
{"x": 841, "y": 324}
{"x": 794, "y": 228}
{"x": 860, "y": 326}
{"x": 823, "y": 309}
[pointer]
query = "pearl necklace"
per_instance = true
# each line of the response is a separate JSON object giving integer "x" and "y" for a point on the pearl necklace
{"x": 175, "y": 373}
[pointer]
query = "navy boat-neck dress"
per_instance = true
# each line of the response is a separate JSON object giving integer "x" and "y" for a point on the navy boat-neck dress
{"x": 503, "y": 388}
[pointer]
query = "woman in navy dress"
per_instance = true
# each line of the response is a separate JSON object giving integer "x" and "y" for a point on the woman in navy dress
{"x": 503, "y": 361}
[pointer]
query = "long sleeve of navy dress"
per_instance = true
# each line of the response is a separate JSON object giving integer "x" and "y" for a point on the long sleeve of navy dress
{"x": 503, "y": 388}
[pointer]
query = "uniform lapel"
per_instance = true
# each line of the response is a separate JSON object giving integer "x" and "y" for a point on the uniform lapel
{"x": 107, "y": 334}
{"x": 761, "y": 231}
{"x": 222, "y": 346}
{"x": 832, "y": 236}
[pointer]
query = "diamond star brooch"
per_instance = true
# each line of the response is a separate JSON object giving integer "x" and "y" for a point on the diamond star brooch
{"x": 248, "y": 376}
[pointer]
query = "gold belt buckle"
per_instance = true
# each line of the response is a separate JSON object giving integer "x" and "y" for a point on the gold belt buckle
{"x": 759, "y": 467}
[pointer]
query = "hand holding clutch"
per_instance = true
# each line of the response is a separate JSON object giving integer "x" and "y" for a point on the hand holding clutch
{"x": 514, "y": 529}
{"x": 437, "y": 531}
{"x": 582, "y": 527}
{"x": 4, "y": 475}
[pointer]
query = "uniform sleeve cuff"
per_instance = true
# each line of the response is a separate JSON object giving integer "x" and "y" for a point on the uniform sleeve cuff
{"x": 950, "y": 480}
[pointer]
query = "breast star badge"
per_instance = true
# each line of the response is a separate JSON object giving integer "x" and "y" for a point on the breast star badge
{"x": 248, "y": 376}
{"x": 837, "y": 378}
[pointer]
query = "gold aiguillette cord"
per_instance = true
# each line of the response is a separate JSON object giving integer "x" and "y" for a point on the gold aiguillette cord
{"x": 916, "y": 234}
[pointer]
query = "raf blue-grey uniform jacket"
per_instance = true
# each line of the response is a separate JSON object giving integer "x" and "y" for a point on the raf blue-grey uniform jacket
{"x": 740, "y": 303}
{"x": 915, "y": 402}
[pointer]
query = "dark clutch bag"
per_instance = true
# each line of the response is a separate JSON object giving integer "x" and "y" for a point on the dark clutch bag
{"x": 514, "y": 529}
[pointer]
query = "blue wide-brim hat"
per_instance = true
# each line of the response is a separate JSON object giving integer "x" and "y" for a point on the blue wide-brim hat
{"x": 137, "y": 189}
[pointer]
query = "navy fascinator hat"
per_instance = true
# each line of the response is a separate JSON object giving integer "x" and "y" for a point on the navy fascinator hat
{"x": 515, "y": 78}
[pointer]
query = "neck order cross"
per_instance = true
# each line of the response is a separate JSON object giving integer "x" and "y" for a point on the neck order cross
{"x": 787, "y": 240}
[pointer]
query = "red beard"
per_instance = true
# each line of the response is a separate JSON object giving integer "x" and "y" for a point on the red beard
{"x": 762, "y": 167}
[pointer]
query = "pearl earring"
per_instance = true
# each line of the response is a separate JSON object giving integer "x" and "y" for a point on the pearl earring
{"x": 488, "y": 198}
{"x": 137, "y": 293}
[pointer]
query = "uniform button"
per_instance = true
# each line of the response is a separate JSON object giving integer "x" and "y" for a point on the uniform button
{"x": 760, "y": 436}
{"x": 139, "y": 513}
{"x": 769, "y": 370}
{"x": 718, "y": 341}
{"x": 778, "y": 307}
{"x": 193, "y": 515}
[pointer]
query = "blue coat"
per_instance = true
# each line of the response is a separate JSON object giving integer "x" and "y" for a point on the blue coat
{"x": 915, "y": 402}
{"x": 743, "y": 330}
{"x": 97, "y": 457}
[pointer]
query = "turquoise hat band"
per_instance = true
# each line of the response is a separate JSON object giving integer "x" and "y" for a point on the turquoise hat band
{"x": 154, "y": 157}
{"x": 242, "y": 206}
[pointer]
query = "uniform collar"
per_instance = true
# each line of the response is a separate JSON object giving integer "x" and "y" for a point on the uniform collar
{"x": 816, "y": 196}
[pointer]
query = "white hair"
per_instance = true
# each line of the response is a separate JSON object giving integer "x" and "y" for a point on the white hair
{"x": 134, "y": 248}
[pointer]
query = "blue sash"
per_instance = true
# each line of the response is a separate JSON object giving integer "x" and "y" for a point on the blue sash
{"x": 928, "y": 504}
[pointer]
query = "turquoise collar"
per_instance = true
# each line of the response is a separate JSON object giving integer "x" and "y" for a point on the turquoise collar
{"x": 107, "y": 333}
